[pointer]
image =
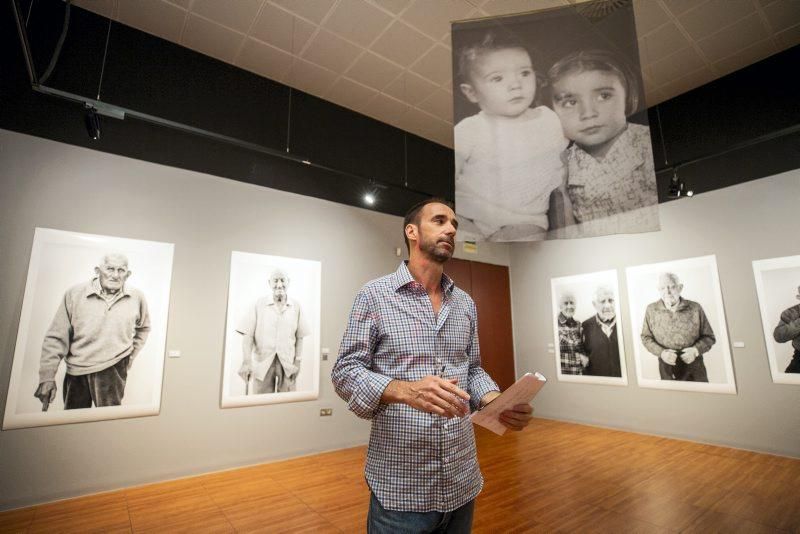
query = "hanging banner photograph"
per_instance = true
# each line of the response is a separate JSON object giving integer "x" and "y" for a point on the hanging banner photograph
{"x": 587, "y": 329}
{"x": 679, "y": 327}
{"x": 778, "y": 286}
{"x": 92, "y": 331}
{"x": 272, "y": 339}
{"x": 551, "y": 136}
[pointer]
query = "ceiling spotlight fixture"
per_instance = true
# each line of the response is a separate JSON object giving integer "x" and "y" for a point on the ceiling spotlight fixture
{"x": 677, "y": 188}
{"x": 92, "y": 121}
{"x": 369, "y": 199}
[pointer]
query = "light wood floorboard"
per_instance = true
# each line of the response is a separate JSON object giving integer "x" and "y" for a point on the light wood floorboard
{"x": 554, "y": 477}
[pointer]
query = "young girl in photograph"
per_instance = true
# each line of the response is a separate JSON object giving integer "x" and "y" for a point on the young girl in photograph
{"x": 508, "y": 155}
{"x": 611, "y": 178}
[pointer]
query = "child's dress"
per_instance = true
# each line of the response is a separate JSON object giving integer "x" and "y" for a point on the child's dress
{"x": 618, "y": 193}
{"x": 507, "y": 168}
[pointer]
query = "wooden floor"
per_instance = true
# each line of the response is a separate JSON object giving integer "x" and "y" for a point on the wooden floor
{"x": 553, "y": 477}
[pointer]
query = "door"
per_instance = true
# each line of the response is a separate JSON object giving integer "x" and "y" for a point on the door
{"x": 489, "y": 287}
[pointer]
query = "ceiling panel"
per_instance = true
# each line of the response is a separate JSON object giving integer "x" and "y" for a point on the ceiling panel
{"x": 391, "y": 59}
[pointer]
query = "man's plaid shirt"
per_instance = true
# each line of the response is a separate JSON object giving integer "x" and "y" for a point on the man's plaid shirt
{"x": 416, "y": 462}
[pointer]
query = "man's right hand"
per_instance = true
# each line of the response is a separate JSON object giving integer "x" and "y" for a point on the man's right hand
{"x": 669, "y": 356}
{"x": 432, "y": 394}
{"x": 245, "y": 371}
{"x": 46, "y": 392}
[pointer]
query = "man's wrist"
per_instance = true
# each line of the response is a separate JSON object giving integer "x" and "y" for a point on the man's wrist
{"x": 396, "y": 392}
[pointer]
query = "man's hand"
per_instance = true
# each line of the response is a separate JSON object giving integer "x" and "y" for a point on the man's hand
{"x": 584, "y": 360}
{"x": 518, "y": 417}
{"x": 46, "y": 392}
{"x": 130, "y": 363}
{"x": 432, "y": 394}
{"x": 246, "y": 370}
{"x": 669, "y": 356}
{"x": 689, "y": 354}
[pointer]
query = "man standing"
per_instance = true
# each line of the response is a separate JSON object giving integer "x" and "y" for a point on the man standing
{"x": 409, "y": 361}
{"x": 676, "y": 330}
{"x": 272, "y": 340}
{"x": 570, "y": 338}
{"x": 600, "y": 336}
{"x": 788, "y": 329}
{"x": 99, "y": 328}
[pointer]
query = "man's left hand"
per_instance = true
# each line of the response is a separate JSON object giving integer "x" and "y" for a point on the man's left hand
{"x": 689, "y": 355}
{"x": 518, "y": 417}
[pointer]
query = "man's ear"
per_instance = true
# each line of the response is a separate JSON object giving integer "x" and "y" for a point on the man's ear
{"x": 128, "y": 275}
{"x": 97, "y": 271}
{"x": 469, "y": 92}
{"x": 412, "y": 232}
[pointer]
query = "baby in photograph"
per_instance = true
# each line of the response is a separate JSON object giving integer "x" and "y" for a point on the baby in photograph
{"x": 611, "y": 177}
{"x": 508, "y": 155}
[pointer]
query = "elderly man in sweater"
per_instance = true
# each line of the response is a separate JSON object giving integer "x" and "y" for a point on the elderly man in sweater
{"x": 677, "y": 331}
{"x": 788, "y": 329}
{"x": 600, "y": 336}
{"x": 98, "y": 329}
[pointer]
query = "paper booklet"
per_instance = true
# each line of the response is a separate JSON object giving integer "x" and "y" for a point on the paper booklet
{"x": 521, "y": 392}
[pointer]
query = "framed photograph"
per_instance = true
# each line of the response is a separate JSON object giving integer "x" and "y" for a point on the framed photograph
{"x": 272, "y": 332}
{"x": 551, "y": 136}
{"x": 680, "y": 335}
{"x": 587, "y": 329}
{"x": 778, "y": 286}
{"x": 92, "y": 330}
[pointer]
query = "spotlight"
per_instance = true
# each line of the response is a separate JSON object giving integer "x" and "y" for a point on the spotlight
{"x": 676, "y": 186}
{"x": 689, "y": 193}
{"x": 369, "y": 199}
{"x": 92, "y": 121}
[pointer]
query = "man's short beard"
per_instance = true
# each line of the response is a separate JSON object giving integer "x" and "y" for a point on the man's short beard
{"x": 436, "y": 254}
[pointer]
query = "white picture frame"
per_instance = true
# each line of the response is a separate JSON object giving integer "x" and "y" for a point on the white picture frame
{"x": 249, "y": 281}
{"x": 59, "y": 261}
{"x": 777, "y": 281}
{"x": 700, "y": 279}
{"x": 583, "y": 287}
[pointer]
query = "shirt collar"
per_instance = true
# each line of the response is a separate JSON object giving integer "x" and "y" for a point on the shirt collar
{"x": 607, "y": 324}
{"x": 287, "y": 303}
{"x": 403, "y": 277}
{"x": 681, "y": 304}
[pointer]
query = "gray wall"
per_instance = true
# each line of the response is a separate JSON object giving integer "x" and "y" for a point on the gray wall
{"x": 48, "y": 184}
{"x": 739, "y": 224}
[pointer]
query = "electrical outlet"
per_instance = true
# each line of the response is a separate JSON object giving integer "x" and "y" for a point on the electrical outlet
{"x": 324, "y": 412}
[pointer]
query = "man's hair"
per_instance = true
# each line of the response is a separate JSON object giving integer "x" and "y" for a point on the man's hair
{"x": 413, "y": 215}
{"x": 118, "y": 255}
{"x": 600, "y": 290}
{"x": 276, "y": 273}
{"x": 671, "y": 276}
{"x": 599, "y": 60}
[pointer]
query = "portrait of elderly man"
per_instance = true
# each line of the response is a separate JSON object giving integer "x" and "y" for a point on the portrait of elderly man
{"x": 600, "y": 336}
{"x": 677, "y": 331}
{"x": 570, "y": 333}
{"x": 98, "y": 329}
{"x": 272, "y": 340}
{"x": 788, "y": 329}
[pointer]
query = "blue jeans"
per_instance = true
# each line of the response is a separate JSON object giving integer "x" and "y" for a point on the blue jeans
{"x": 383, "y": 521}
